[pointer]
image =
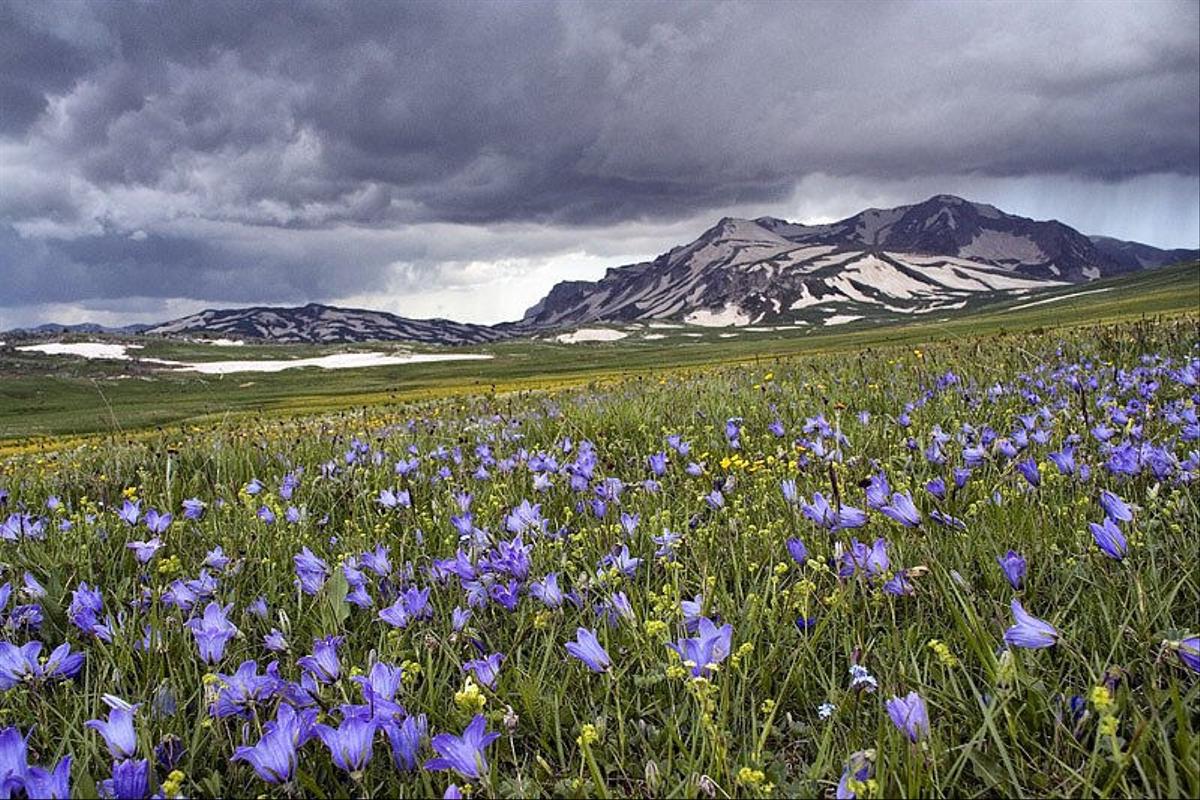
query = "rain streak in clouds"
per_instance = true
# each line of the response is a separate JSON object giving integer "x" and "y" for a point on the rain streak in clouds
{"x": 457, "y": 160}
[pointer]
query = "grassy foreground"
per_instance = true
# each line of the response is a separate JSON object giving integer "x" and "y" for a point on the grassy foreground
{"x": 647, "y": 511}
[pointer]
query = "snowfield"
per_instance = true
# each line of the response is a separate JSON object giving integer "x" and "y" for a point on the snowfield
{"x": 590, "y": 335}
{"x": 336, "y": 361}
{"x": 117, "y": 352}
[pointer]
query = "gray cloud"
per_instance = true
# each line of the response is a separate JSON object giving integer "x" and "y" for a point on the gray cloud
{"x": 279, "y": 152}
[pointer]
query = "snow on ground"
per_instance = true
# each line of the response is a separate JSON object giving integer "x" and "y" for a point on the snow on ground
{"x": 663, "y": 325}
{"x": 590, "y": 335}
{"x": 224, "y": 342}
{"x": 120, "y": 352}
{"x": 1056, "y": 299}
{"x": 722, "y": 318}
{"x": 83, "y": 349}
{"x": 654, "y": 336}
{"x": 335, "y": 361}
{"x": 693, "y": 335}
{"x": 841, "y": 319}
{"x": 804, "y": 300}
{"x": 726, "y": 335}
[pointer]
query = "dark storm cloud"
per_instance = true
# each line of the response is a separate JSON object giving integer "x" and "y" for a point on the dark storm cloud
{"x": 120, "y": 121}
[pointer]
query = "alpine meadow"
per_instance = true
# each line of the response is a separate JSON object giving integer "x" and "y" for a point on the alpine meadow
{"x": 543, "y": 399}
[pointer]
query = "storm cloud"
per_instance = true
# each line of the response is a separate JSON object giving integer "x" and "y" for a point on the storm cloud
{"x": 413, "y": 155}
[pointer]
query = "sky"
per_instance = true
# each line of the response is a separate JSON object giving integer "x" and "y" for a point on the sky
{"x": 458, "y": 159}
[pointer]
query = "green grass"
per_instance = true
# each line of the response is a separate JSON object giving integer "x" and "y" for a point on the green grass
{"x": 1001, "y": 724}
{"x": 48, "y": 396}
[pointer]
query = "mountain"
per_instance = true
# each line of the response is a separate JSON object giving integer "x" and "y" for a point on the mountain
{"x": 1134, "y": 256}
{"x": 52, "y": 328}
{"x": 323, "y": 324}
{"x": 943, "y": 254}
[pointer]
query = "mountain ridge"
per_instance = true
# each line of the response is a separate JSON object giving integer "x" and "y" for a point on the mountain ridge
{"x": 940, "y": 254}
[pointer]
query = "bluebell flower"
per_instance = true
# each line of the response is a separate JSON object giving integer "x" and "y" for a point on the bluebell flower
{"x": 242, "y": 691}
{"x": 459, "y": 618}
{"x": 118, "y": 732}
{"x": 620, "y": 607}
{"x": 692, "y": 611}
{"x": 1114, "y": 507}
{"x": 463, "y": 754}
{"x": 18, "y": 664}
{"x": 378, "y": 561}
{"x": 323, "y": 664}
{"x": 351, "y": 743}
{"x": 1188, "y": 650}
{"x": 41, "y": 783}
{"x": 704, "y": 653}
{"x": 506, "y": 594}
{"x": 899, "y": 585}
{"x": 144, "y": 551}
{"x": 902, "y": 510}
{"x": 85, "y": 608}
{"x": 587, "y": 648}
{"x": 486, "y": 670}
{"x": 216, "y": 559}
{"x": 525, "y": 517}
{"x": 666, "y": 544}
{"x": 130, "y": 780}
{"x": 193, "y": 508}
{"x": 157, "y": 522}
{"x": 14, "y": 758}
{"x": 937, "y": 488}
{"x": 797, "y": 551}
{"x": 310, "y": 571}
{"x": 1109, "y": 538}
{"x": 622, "y": 561}
{"x": 1064, "y": 460}
{"x": 62, "y": 664}
{"x": 405, "y": 739}
{"x": 31, "y": 588}
{"x": 1029, "y": 631}
{"x": 1029, "y": 469}
{"x": 961, "y": 476}
{"x": 1013, "y": 565}
{"x": 910, "y": 715}
{"x": 274, "y": 756}
{"x": 130, "y": 512}
{"x": 213, "y": 631}
{"x": 825, "y": 515}
{"x": 258, "y": 607}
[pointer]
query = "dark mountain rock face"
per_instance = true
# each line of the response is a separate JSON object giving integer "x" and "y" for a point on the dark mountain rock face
{"x": 944, "y": 253}
{"x": 320, "y": 323}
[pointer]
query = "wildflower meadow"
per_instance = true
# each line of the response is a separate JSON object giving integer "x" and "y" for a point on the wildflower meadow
{"x": 965, "y": 569}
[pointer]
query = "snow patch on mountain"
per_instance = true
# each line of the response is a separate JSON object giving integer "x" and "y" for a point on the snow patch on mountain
{"x": 723, "y": 317}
